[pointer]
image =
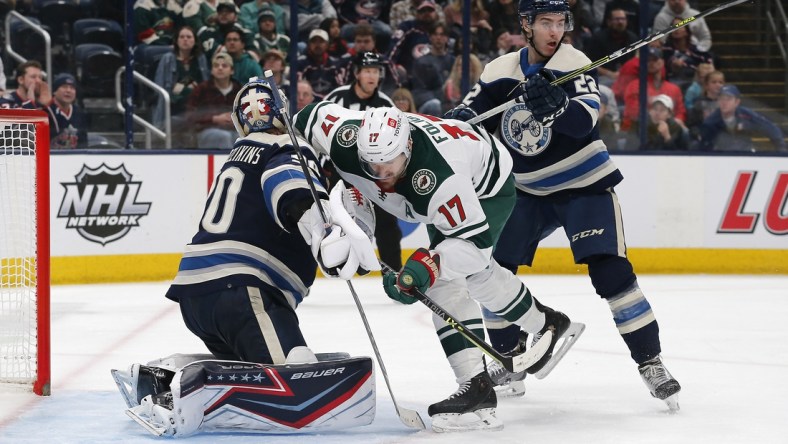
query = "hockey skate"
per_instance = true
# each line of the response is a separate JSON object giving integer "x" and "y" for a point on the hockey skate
{"x": 563, "y": 329}
{"x": 660, "y": 382}
{"x": 141, "y": 380}
{"x": 471, "y": 407}
{"x": 508, "y": 384}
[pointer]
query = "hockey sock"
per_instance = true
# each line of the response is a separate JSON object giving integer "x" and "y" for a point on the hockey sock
{"x": 504, "y": 339}
{"x": 636, "y": 323}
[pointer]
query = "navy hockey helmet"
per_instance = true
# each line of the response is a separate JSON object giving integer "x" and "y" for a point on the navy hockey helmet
{"x": 529, "y": 9}
{"x": 255, "y": 108}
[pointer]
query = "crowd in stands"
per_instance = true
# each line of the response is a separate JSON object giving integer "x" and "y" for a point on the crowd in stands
{"x": 217, "y": 45}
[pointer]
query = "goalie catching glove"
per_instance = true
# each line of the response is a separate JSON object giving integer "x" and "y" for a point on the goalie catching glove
{"x": 545, "y": 101}
{"x": 420, "y": 272}
{"x": 346, "y": 247}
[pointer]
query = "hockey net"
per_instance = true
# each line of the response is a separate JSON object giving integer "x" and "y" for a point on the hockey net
{"x": 24, "y": 250}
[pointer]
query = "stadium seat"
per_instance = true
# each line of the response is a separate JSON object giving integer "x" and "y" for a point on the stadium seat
{"x": 58, "y": 16}
{"x": 96, "y": 65}
{"x": 26, "y": 41}
{"x": 146, "y": 58}
{"x": 94, "y": 30}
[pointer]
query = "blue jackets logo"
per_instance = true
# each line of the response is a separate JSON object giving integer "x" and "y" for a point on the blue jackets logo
{"x": 521, "y": 132}
{"x": 101, "y": 204}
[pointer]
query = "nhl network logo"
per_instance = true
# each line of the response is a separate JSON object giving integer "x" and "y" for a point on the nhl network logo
{"x": 102, "y": 203}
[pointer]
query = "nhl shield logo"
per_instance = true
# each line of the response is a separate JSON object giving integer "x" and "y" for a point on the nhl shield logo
{"x": 424, "y": 181}
{"x": 347, "y": 135}
{"x": 101, "y": 204}
{"x": 521, "y": 132}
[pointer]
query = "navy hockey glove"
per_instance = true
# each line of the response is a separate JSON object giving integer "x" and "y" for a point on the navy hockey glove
{"x": 420, "y": 272}
{"x": 545, "y": 101}
{"x": 461, "y": 112}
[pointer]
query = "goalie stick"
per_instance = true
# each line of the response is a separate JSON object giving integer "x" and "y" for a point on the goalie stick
{"x": 410, "y": 418}
{"x": 514, "y": 364}
{"x": 616, "y": 54}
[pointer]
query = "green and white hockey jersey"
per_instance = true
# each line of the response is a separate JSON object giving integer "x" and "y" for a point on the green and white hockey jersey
{"x": 458, "y": 180}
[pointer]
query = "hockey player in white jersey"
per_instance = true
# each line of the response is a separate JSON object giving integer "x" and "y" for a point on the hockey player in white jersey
{"x": 243, "y": 275}
{"x": 455, "y": 178}
{"x": 564, "y": 178}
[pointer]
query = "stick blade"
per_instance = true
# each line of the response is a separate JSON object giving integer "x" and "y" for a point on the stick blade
{"x": 525, "y": 360}
{"x": 410, "y": 418}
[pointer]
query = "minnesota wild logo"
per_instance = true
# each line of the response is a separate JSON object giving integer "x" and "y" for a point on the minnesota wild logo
{"x": 424, "y": 181}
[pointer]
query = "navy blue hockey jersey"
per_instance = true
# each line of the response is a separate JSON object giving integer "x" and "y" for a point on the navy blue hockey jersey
{"x": 244, "y": 237}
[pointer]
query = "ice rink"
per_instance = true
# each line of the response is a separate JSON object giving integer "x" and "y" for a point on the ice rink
{"x": 723, "y": 337}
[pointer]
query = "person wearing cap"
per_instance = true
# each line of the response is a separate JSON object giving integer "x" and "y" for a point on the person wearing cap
{"x": 663, "y": 132}
{"x": 317, "y": 66}
{"x": 412, "y": 38}
{"x": 404, "y": 10}
{"x": 268, "y": 36}
{"x": 67, "y": 125}
{"x": 244, "y": 65}
{"x": 249, "y": 17}
{"x": 154, "y": 21}
{"x": 274, "y": 61}
{"x": 732, "y": 126}
{"x": 310, "y": 14}
{"x": 656, "y": 84}
{"x": 212, "y": 37}
{"x": 609, "y": 39}
{"x": 209, "y": 104}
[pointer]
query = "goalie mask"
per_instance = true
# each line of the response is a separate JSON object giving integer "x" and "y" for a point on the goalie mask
{"x": 255, "y": 109}
{"x": 384, "y": 136}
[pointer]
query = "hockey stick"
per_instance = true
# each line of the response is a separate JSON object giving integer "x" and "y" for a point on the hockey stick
{"x": 410, "y": 418}
{"x": 623, "y": 51}
{"x": 514, "y": 364}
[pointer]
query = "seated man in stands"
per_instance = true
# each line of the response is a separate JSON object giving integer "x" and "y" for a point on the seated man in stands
{"x": 67, "y": 125}
{"x": 32, "y": 91}
{"x": 154, "y": 21}
{"x": 209, "y": 103}
{"x": 732, "y": 126}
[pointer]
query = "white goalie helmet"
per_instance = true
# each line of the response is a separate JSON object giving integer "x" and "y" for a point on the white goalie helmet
{"x": 384, "y": 135}
{"x": 255, "y": 109}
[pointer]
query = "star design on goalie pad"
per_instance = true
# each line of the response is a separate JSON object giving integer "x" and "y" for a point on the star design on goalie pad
{"x": 245, "y": 377}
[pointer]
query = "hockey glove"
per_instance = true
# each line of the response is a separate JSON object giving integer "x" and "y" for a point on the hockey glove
{"x": 420, "y": 272}
{"x": 461, "y": 112}
{"x": 545, "y": 101}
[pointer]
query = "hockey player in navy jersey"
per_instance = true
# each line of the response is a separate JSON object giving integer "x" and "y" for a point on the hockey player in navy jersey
{"x": 250, "y": 265}
{"x": 564, "y": 178}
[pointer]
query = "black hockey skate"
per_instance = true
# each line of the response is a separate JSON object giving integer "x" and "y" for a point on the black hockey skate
{"x": 140, "y": 381}
{"x": 660, "y": 382}
{"x": 474, "y": 397}
{"x": 508, "y": 384}
{"x": 554, "y": 321}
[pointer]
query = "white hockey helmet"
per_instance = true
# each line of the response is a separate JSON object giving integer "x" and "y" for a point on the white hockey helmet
{"x": 255, "y": 109}
{"x": 384, "y": 135}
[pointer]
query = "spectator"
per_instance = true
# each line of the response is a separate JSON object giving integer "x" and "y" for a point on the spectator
{"x": 481, "y": 30}
{"x": 179, "y": 72}
{"x": 374, "y": 13}
{"x": 609, "y": 39}
{"x": 707, "y": 103}
{"x": 609, "y": 120}
{"x": 154, "y": 22}
{"x": 452, "y": 89}
{"x": 317, "y": 67}
{"x": 32, "y": 91}
{"x": 655, "y": 85}
{"x": 506, "y": 43}
{"x": 67, "y": 125}
{"x": 212, "y": 37}
{"x": 403, "y": 100}
{"x": 732, "y": 126}
{"x": 431, "y": 71}
{"x": 663, "y": 132}
{"x": 632, "y": 10}
{"x": 630, "y": 71}
{"x": 365, "y": 41}
{"x": 310, "y": 14}
{"x": 411, "y": 40}
{"x": 701, "y": 36}
{"x": 249, "y": 15}
{"x": 337, "y": 46}
{"x": 583, "y": 22}
{"x": 695, "y": 89}
{"x": 199, "y": 13}
{"x": 404, "y": 10}
{"x": 305, "y": 94}
{"x": 274, "y": 61}
{"x": 504, "y": 17}
{"x": 682, "y": 57}
{"x": 244, "y": 66}
{"x": 268, "y": 36}
{"x": 210, "y": 105}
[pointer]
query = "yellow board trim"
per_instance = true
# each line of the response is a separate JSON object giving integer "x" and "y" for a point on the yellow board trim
{"x": 163, "y": 267}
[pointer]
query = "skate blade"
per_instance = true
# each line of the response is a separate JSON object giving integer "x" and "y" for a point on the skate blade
{"x": 514, "y": 389}
{"x": 568, "y": 339}
{"x": 123, "y": 380}
{"x": 673, "y": 403}
{"x": 147, "y": 425}
{"x": 531, "y": 356}
{"x": 482, "y": 419}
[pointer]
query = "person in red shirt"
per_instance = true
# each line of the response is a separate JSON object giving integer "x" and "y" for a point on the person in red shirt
{"x": 656, "y": 85}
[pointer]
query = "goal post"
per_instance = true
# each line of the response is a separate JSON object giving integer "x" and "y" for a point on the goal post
{"x": 24, "y": 249}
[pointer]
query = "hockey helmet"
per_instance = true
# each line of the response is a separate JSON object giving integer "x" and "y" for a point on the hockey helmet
{"x": 529, "y": 9}
{"x": 255, "y": 109}
{"x": 384, "y": 135}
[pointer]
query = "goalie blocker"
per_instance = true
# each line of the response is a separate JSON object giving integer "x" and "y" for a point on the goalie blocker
{"x": 336, "y": 392}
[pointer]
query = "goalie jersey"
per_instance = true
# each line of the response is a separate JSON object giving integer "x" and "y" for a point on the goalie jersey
{"x": 244, "y": 236}
{"x": 568, "y": 156}
{"x": 454, "y": 167}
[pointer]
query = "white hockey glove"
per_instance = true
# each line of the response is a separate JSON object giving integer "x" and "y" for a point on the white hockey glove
{"x": 349, "y": 249}
{"x": 311, "y": 226}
